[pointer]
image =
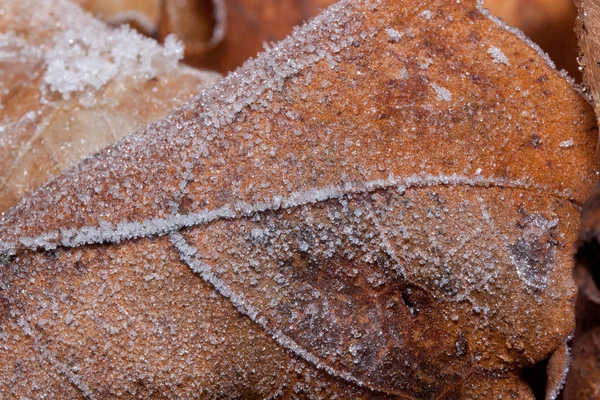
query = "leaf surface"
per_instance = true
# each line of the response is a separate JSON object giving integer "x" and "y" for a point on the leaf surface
{"x": 380, "y": 205}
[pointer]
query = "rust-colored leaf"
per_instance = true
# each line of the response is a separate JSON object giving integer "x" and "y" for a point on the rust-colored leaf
{"x": 557, "y": 369}
{"x": 583, "y": 381}
{"x": 381, "y": 205}
{"x": 222, "y": 35}
{"x": 50, "y": 117}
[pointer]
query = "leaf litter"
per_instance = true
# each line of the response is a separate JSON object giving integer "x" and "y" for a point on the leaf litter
{"x": 316, "y": 223}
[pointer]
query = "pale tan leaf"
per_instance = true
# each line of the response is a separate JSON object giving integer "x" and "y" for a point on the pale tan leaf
{"x": 49, "y": 122}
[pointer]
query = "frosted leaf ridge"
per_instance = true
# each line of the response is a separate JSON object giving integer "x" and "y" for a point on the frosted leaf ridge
{"x": 521, "y": 35}
{"x": 109, "y": 233}
{"x": 283, "y": 60}
{"x": 234, "y": 93}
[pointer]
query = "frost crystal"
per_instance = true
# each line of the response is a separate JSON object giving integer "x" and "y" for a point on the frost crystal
{"x": 393, "y": 35}
{"x": 442, "y": 93}
{"x": 426, "y": 14}
{"x": 337, "y": 210}
{"x": 498, "y": 56}
{"x": 566, "y": 143}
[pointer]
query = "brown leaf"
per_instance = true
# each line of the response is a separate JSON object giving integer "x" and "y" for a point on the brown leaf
{"x": 557, "y": 369}
{"x": 584, "y": 375}
{"x": 200, "y": 24}
{"x": 382, "y": 204}
{"x": 51, "y": 119}
{"x": 222, "y": 35}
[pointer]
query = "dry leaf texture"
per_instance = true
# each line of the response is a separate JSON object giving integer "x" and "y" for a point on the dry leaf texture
{"x": 70, "y": 86}
{"x": 222, "y": 34}
{"x": 380, "y": 205}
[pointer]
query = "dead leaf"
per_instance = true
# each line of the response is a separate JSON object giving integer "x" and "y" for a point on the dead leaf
{"x": 49, "y": 119}
{"x": 584, "y": 375}
{"x": 557, "y": 369}
{"x": 201, "y": 25}
{"x": 222, "y": 35}
{"x": 382, "y": 204}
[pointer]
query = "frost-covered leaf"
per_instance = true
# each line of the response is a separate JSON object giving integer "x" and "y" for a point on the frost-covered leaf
{"x": 557, "y": 369}
{"x": 381, "y": 204}
{"x": 70, "y": 86}
{"x": 583, "y": 381}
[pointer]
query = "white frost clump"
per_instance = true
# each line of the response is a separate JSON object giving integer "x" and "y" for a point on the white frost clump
{"x": 442, "y": 93}
{"x": 87, "y": 59}
{"x": 393, "y": 35}
{"x": 498, "y": 56}
{"x": 426, "y": 14}
{"x": 566, "y": 143}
